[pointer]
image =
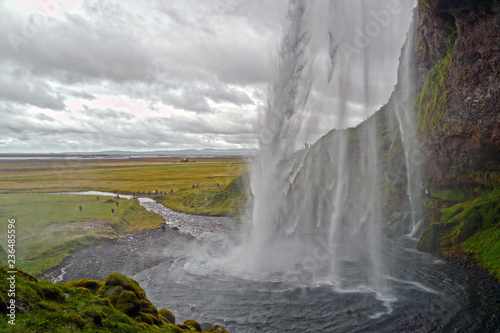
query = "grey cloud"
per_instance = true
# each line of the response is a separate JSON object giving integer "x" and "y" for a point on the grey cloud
{"x": 77, "y": 49}
{"x": 190, "y": 54}
{"x": 29, "y": 92}
{"x": 230, "y": 95}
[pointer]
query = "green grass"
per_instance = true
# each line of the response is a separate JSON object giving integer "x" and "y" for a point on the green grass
{"x": 117, "y": 304}
{"x": 50, "y": 226}
{"x": 211, "y": 200}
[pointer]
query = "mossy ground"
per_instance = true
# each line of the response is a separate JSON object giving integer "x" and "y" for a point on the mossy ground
{"x": 467, "y": 230}
{"x": 117, "y": 304}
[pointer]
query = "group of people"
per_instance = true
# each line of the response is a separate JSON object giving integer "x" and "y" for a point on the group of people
{"x": 198, "y": 185}
{"x": 155, "y": 193}
{"x": 112, "y": 209}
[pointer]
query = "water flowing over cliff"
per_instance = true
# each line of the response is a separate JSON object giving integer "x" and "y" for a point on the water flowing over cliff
{"x": 317, "y": 211}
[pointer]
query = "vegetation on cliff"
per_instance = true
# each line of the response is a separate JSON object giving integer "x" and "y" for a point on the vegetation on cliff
{"x": 431, "y": 101}
{"x": 117, "y": 304}
{"x": 229, "y": 200}
{"x": 457, "y": 108}
{"x": 468, "y": 230}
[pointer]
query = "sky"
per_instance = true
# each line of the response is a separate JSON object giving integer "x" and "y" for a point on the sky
{"x": 95, "y": 75}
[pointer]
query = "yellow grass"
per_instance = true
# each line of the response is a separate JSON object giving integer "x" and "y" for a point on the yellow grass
{"x": 126, "y": 176}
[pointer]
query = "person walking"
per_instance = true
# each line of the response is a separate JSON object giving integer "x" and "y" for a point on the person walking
{"x": 116, "y": 204}
{"x": 80, "y": 208}
{"x": 112, "y": 212}
{"x": 97, "y": 198}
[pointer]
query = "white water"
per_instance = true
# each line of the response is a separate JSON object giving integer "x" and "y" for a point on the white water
{"x": 405, "y": 112}
{"x": 317, "y": 211}
{"x": 180, "y": 274}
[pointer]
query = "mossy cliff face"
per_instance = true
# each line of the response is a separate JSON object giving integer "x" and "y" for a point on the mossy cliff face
{"x": 458, "y": 110}
{"x": 458, "y": 87}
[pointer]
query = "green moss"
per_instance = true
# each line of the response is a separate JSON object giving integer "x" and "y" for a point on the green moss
{"x": 430, "y": 103}
{"x": 194, "y": 324}
{"x": 127, "y": 303}
{"x": 81, "y": 310}
{"x": 119, "y": 280}
{"x": 485, "y": 245}
{"x": 469, "y": 228}
{"x": 167, "y": 315}
{"x": 91, "y": 285}
{"x": 51, "y": 292}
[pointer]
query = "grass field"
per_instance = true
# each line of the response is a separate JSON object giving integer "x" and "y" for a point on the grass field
{"x": 124, "y": 176}
{"x": 50, "y": 226}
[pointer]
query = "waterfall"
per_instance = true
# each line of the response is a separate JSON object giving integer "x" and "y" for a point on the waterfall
{"x": 317, "y": 208}
{"x": 403, "y": 105}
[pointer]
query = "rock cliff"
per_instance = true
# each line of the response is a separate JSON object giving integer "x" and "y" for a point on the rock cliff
{"x": 458, "y": 111}
{"x": 458, "y": 81}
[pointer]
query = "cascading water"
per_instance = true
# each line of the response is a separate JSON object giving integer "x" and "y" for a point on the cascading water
{"x": 404, "y": 109}
{"x": 317, "y": 211}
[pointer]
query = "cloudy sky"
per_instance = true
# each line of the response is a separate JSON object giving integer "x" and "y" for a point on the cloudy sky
{"x": 92, "y": 75}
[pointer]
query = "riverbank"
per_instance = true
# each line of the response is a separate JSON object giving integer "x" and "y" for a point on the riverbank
{"x": 166, "y": 263}
{"x": 50, "y": 226}
{"x": 214, "y": 200}
{"x": 127, "y": 255}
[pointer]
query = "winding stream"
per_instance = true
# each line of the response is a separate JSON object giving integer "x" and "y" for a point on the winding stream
{"x": 180, "y": 270}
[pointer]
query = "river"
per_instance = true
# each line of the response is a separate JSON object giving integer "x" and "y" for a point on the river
{"x": 178, "y": 268}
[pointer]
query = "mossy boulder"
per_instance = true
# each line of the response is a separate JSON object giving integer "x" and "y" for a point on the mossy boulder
{"x": 218, "y": 328}
{"x": 91, "y": 285}
{"x": 128, "y": 303}
{"x": 169, "y": 316}
{"x": 77, "y": 320}
{"x": 115, "y": 279}
{"x": 51, "y": 293}
{"x": 194, "y": 324}
{"x": 148, "y": 307}
{"x": 148, "y": 318}
{"x": 118, "y": 306}
{"x": 95, "y": 316}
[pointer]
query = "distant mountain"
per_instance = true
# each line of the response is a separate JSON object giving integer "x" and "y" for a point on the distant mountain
{"x": 205, "y": 151}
